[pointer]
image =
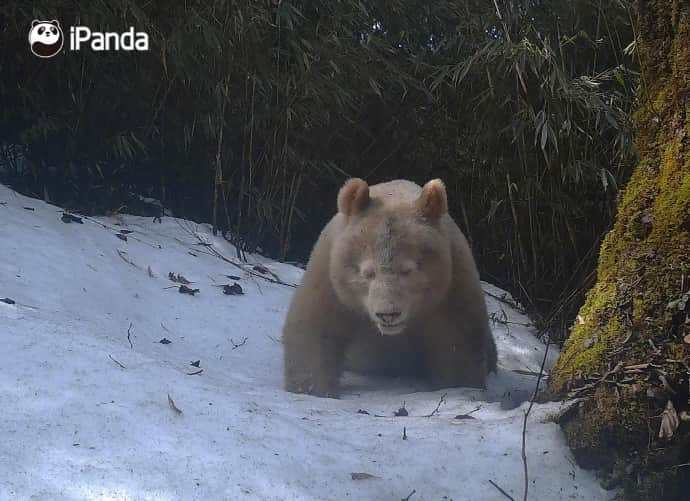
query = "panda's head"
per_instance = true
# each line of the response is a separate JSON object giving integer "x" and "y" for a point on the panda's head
{"x": 45, "y": 38}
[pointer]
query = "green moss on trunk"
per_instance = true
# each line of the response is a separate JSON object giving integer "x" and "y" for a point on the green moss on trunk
{"x": 644, "y": 264}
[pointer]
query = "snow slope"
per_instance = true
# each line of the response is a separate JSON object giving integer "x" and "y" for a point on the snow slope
{"x": 85, "y": 414}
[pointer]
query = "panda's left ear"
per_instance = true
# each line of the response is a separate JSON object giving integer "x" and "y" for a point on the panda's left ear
{"x": 55, "y": 22}
{"x": 35, "y": 22}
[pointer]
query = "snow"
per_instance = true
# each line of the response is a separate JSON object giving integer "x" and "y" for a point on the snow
{"x": 85, "y": 415}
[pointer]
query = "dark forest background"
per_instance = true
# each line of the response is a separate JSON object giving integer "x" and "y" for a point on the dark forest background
{"x": 251, "y": 114}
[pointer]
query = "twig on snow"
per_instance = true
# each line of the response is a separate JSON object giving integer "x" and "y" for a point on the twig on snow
{"x": 122, "y": 253}
{"x": 468, "y": 415}
{"x": 524, "y": 422}
{"x": 498, "y": 487}
{"x": 118, "y": 363}
{"x": 407, "y": 498}
{"x": 529, "y": 373}
{"x": 272, "y": 277}
{"x": 503, "y": 299}
{"x": 111, "y": 228}
{"x": 441, "y": 401}
{"x": 129, "y": 334}
{"x": 265, "y": 271}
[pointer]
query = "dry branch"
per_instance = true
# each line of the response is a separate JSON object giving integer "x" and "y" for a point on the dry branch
{"x": 524, "y": 422}
{"x": 118, "y": 363}
{"x": 498, "y": 487}
{"x": 129, "y": 334}
{"x": 441, "y": 400}
{"x": 273, "y": 278}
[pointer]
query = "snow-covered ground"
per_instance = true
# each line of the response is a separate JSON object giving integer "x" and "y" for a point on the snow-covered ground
{"x": 85, "y": 384}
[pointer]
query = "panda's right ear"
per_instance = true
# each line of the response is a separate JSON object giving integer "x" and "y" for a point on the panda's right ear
{"x": 353, "y": 197}
{"x": 35, "y": 22}
{"x": 55, "y": 22}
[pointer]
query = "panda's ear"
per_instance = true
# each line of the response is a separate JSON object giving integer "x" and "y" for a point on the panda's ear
{"x": 55, "y": 22}
{"x": 35, "y": 22}
{"x": 353, "y": 197}
{"x": 433, "y": 202}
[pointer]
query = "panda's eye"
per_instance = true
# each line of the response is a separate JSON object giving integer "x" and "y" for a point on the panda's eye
{"x": 406, "y": 269}
{"x": 41, "y": 30}
{"x": 53, "y": 31}
{"x": 368, "y": 273}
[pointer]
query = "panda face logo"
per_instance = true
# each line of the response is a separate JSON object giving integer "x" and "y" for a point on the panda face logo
{"x": 45, "y": 38}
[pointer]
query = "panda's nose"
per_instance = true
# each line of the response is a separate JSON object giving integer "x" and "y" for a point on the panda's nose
{"x": 388, "y": 317}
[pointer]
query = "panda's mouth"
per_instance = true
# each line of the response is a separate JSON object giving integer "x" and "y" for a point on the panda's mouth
{"x": 390, "y": 329}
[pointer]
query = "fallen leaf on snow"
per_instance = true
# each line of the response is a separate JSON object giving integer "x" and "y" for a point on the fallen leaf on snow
{"x": 69, "y": 218}
{"x": 178, "y": 278}
{"x": 174, "y": 407}
{"x": 186, "y": 290}
{"x": 233, "y": 290}
{"x": 362, "y": 476}
{"x": 401, "y": 412}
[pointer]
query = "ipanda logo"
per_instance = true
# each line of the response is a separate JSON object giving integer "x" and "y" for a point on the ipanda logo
{"x": 46, "y": 39}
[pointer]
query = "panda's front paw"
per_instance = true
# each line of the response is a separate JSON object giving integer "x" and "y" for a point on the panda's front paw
{"x": 310, "y": 386}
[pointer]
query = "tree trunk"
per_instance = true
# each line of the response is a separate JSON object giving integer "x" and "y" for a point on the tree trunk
{"x": 637, "y": 313}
